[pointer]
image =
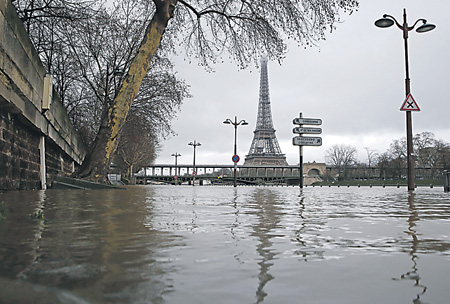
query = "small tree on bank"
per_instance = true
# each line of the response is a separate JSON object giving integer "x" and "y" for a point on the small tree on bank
{"x": 137, "y": 147}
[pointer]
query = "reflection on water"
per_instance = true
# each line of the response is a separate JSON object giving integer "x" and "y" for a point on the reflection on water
{"x": 158, "y": 244}
{"x": 95, "y": 244}
{"x": 414, "y": 273}
{"x": 265, "y": 206}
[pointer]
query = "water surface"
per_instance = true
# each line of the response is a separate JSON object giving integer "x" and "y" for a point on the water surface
{"x": 167, "y": 244}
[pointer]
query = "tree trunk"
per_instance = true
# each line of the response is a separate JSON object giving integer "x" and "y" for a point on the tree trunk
{"x": 132, "y": 180}
{"x": 96, "y": 163}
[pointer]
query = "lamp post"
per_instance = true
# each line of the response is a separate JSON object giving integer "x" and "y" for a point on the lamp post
{"x": 235, "y": 124}
{"x": 194, "y": 172}
{"x": 388, "y": 21}
{"x": 177, "y": 173}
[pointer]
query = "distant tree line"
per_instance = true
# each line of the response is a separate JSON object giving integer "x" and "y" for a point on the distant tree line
{"x": 431, "y": 156}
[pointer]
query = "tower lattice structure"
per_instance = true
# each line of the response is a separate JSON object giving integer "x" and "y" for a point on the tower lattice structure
{"x": 265, "y": 149}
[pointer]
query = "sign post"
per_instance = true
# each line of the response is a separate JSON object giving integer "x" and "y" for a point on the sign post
{"x": 235, "y": 160}
{"x": 301, "y": 157}
{"x": 305, "y": 141}
{"x": 408, "y": 106}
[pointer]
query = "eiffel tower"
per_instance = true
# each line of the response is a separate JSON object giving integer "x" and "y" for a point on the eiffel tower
{"x": 264, "y": 149}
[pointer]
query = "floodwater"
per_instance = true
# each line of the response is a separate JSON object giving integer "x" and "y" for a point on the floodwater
{"x": 193, "y": 245}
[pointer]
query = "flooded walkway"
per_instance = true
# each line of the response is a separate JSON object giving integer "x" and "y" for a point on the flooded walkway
{"x": 167, "y": 244}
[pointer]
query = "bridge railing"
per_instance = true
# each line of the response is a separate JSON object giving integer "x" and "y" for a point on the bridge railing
{"x": 217, "y": 170}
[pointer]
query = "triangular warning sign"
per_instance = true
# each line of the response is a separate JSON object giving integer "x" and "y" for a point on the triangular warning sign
{"x": 410, "y": 104}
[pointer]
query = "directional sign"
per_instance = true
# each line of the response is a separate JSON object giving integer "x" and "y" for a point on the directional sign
{"x": 307, "y": 130}
{"x": 307, "y": 141}
{"x": 235, "y": 158}
{"x": 307, "y": 121}
{"x": 409, "y": 104}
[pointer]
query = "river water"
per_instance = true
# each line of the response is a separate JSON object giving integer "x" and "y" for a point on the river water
{"x": 192, "y": 245}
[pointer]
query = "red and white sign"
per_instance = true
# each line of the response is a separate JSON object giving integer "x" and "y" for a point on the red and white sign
{"x": 235, "y": 158}
{"x": 194, "y": 173}
{"x": 410, "y": 104}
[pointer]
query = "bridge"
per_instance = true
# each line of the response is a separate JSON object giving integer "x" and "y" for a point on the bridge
{"x": 224, "y": 173}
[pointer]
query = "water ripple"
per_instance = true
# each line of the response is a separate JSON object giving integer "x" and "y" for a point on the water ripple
{"x": 233, "y": 245}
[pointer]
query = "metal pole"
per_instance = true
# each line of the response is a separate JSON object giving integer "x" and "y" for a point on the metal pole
{"x": 446, "y": 181}
{"x": 193, "y": 169}
{"x": 301, "y": 158}
{"x": 43, "y": 172}
{"x": 235, "y": 124}
{"x": 409, "y": 133}
{"x": 176, "y": 167}
{"x": 235, "y": 150}
{"x": 385, "y": 22}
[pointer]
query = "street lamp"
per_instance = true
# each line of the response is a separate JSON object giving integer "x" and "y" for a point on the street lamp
{"x": 235, "y": 124}
{"x": 176, "y": 167}
{"x": 194, "y": 172}
{"x": 388, "y": 21}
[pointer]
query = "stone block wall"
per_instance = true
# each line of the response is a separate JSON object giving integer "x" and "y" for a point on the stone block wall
{"x": 57, "y": 162}
{"x": 23, "y": 121}
{"x": 19, "y": 155}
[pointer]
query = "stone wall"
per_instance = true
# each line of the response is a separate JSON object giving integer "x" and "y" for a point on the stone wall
{"x": 57, "y": 162}
{"x": 19, "y": 155}
{"x": 314, "y": 169}
{"x": 24, "y": 123}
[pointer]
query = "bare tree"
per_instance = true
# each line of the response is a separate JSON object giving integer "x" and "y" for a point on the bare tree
{"x": 397, "y": 153}
{"x": 137, "y": 146}
{"x": 443, "y": 151}
{"x": 424, "y": 140}
{"x": 88, "y": 54}
{"x": 207, "y": 29}
{"x": 430, "y": 154}
{"x": 341, "y": 157}
{"x": 372, "y": 156}
{"x": 383, "y": 164}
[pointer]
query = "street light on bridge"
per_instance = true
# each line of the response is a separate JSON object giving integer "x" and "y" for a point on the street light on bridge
{"x": 194, "y": 172}
{"x": 235, "y": 156}
{"x": 177, "y": 173}
{"x": 388, "y": 21}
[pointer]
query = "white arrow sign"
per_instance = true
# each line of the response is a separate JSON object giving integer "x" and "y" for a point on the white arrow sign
{"x": 307, "y": 130}
{"x": 307, "y": 141}
{"x": 307, "y": 121}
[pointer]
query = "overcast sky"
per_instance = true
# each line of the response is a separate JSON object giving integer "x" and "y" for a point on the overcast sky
{"x": 353, "y": 81}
